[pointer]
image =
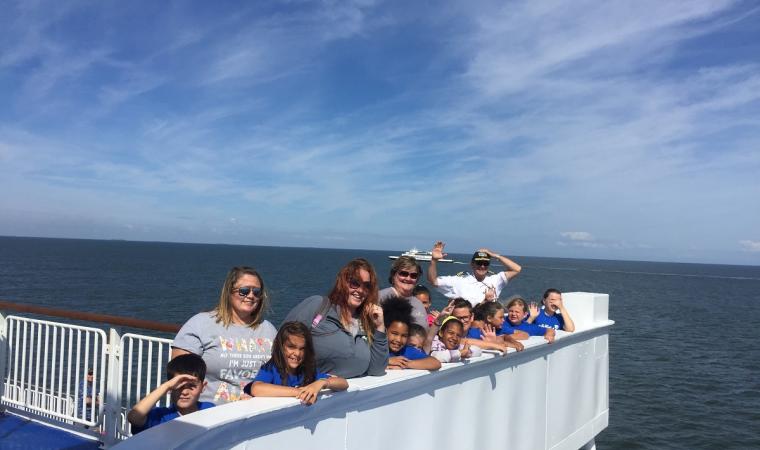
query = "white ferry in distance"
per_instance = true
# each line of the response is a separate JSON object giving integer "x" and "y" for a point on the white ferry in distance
{"x": 420, "y": 255}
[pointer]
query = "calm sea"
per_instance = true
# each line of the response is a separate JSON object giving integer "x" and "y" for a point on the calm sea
{"x": 684, "y": 367}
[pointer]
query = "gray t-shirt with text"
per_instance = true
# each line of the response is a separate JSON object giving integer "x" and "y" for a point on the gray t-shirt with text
{"x": 233, "y": 354}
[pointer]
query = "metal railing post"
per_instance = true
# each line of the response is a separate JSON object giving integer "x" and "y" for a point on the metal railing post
{"x": 112, "y": 410}
{"x": 3, "y": 352}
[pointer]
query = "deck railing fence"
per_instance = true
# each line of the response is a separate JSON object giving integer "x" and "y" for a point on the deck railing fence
{"x": 45, "y": 368}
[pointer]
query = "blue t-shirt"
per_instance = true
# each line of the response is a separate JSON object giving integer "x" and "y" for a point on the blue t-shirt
{"x": 477, "y": 333}
{"x": 546, "y": 321}
{"x": 409, "y": 352}
{"x": 161, "y": 414}
{"x": 531, "y": 328}
{"x": 269, "y": 374}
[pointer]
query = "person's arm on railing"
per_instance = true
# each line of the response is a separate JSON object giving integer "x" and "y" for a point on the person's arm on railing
{"x": 139, "y": 413}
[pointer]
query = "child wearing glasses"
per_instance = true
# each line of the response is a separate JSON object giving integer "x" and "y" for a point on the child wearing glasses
{"x": 292, "y": 370}
{"x": 478, "y": 286}
{"x": 186, "y": 380}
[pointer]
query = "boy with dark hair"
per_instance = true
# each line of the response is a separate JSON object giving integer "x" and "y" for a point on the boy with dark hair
{"x": 186, "y": 376}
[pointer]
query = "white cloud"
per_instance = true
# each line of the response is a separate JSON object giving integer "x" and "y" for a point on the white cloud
{"x": 750, "y": 246}
{"x": 578, "y": 235}
{"x": 583, "y": 124}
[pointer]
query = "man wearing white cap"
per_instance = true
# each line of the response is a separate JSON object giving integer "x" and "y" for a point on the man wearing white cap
{"x": 478, "y": 286}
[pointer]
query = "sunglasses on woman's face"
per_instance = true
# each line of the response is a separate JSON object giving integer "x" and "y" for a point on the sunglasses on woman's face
{"x": 247, "y": 290}
{"x": 356, "y": 284}
{"x": 483, "y": 263}
{"x": 405, "y": 274}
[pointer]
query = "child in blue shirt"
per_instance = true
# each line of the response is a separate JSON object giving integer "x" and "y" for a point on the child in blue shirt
{"x": 517, "y": 311}
{"x": 417, "y": 336}
{"x": 292, "y": 369}
{"x": 186, "y": 374}
{"x": 489, "y": 323}
{"x": 397, "y": 315}
{"x": 553, "y": 314}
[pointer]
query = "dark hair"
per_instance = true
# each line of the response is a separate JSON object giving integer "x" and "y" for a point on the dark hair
{"x": 448, "y": 323}
{"x": 340, "y": 291}
{"x": 459, "y": 302}
{"x": 484, "y": 310}
{"x": 416, "y": 329}
{"x": 478, "y": 312}
{"x": 397, "y": 309}
{"x": 551, "y": 291}
{"x": 308, "y": 367}
{"x": 403, "y": 262}
{"x": 420, "y": 289}
{"x": 188, "y": 363}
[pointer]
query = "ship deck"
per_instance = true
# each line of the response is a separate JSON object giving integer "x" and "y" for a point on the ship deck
{"x": 17, "y": 433}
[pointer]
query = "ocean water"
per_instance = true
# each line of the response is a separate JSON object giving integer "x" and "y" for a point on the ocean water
{"x": 684, "y": 358}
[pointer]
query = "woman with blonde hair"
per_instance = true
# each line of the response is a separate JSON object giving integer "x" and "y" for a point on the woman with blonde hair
{"x": 233, "y": 339}
{"x": 347, "y": 325}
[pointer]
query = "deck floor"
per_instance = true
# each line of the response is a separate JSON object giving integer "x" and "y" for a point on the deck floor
{"x": 17, "y": 433}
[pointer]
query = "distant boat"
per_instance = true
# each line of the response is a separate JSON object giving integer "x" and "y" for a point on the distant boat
{"x": 420, "y": 255}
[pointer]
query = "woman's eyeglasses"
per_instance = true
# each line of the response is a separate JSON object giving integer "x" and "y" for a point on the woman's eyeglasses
{"x": 483, "y": 263}
{"x": 356, "y": 284}
{"x": 405, "y": 274}
{"x": 247, "y": 290}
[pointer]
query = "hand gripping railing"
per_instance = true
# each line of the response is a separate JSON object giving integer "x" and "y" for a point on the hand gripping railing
{"x": 44, "y": 368}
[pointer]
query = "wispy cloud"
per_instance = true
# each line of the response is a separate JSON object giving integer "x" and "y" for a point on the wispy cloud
{"x": 750, "y": 246}
{"x": 350, "y": 117}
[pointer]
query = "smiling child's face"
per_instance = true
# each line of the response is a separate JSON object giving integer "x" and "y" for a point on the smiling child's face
{"x": 294, "y": 351}
{"x": 452, "y": 335}
{"x": 398, "y": 335}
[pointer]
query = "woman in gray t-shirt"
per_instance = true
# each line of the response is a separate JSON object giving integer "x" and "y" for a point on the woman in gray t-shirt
{"x": 234, "y": 340}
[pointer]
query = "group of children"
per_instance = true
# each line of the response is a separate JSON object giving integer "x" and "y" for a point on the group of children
{"x": 462, "y": 331}
{"x": 458, "y": 332}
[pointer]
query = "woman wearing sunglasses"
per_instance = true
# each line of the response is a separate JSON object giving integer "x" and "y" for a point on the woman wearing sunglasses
{"x": 405, "y": 272}
{"x": 234, "y": 339}
{"x": 347, "y": 326}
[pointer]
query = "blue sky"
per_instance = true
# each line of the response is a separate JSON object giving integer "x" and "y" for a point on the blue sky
{"x": 620, "y": 130}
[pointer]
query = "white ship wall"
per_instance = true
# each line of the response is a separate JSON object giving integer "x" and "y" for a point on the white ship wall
{"x": 550, "y": 396}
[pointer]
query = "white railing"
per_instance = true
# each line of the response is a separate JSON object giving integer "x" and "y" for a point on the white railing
{"x": 47, "y": 366}
{"x": 141, "y": 370}
{"x": 547, "y": 397}
{"x": 44, "y": 370}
